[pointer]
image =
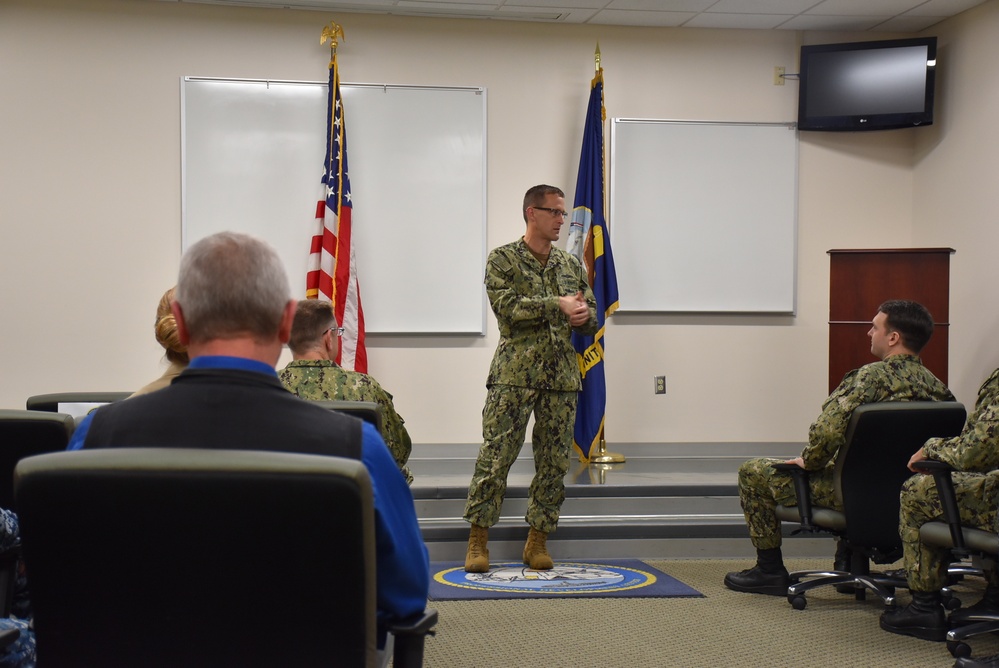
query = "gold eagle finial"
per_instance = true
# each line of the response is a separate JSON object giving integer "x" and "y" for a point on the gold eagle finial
{"x": 334, "y": 33}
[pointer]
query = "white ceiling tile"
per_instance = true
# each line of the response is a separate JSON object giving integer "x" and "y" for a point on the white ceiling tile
{"x": 659, "y": 19}
{"x": 566, "y": 5}
{"x": 357, "y": 3}
{"x": 840, "y": 23}
{"x": 890, "y": 15}
{"x": 476, "y": 5}
{"x": 909, "y": 23}
{"x": 570, "y": 15}
{"x": 565, "y": 15}
{"x": 761, "y": 6}
{"x": 661, "y": 5}
{"x": 738, "y": 21}
{"x": 862, "y": 7}
{"x": 943, "y": 8}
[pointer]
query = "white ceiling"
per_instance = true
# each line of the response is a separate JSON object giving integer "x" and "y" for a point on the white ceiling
{"x": 843, "y": 15}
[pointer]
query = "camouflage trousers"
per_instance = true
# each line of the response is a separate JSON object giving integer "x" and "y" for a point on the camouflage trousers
{"x": 762, "y": 489}
{"x": 504, "y": 424}
{"x": 977, "y": 495}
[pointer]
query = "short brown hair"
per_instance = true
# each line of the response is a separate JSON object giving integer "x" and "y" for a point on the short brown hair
{"x": 536, "y": 196}
{"x": 313, "y": 318}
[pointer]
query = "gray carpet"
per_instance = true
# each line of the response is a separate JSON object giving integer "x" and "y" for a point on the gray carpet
{"x": 725, "y": 628}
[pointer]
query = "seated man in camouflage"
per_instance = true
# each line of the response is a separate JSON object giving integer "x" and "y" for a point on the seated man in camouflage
{"x": 313, "y": 375}
{"x": 974, "y": 453}
{"x": 899, "y": 331}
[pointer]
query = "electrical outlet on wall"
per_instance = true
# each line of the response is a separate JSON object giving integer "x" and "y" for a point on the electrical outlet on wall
{"x": 660, "y": 386}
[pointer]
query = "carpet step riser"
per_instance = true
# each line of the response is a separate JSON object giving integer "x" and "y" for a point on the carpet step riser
{"x": 615, "y": 506}
{"x": 605, "y": 529}
{"x": 669, "y": 548}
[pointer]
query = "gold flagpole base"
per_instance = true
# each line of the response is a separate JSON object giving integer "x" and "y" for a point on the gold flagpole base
{"x": 604, "y": 457}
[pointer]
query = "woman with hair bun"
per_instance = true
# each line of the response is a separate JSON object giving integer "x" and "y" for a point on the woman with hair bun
{"x": 166, "y": 335}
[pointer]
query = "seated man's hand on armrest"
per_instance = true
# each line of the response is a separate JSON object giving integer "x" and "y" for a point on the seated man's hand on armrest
{"x": 918, "y": 456}
{"x": 931, "y": 466}
{"x": 797, "y": 461}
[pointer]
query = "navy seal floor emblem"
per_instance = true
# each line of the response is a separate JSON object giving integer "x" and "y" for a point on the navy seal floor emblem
{"x": 625, "y": 578}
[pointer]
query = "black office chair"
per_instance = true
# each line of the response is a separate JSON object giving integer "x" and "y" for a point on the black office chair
{"x": 23, "y": 434}
{"x": 981, "y": 547}
{"x": 50, "y": 402}
{"x": 369, "y": 411}
{"x": 869, "y": 471}
{"x": 27, "y": 433}
{"x": 180, "y": 557}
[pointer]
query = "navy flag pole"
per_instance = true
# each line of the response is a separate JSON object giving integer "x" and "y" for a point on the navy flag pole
{"x": 589, "y": 241}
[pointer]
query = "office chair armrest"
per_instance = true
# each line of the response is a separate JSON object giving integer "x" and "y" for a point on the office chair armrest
{"x": 409, "y": 636}
{"x": 948, "y": 497}
{"x": 800, "y": 478}
{"x": 8, "y": 637}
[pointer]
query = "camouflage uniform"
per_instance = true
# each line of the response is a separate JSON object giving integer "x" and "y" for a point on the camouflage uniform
{"x": 534, "y": 369}
{"x": 323, "y": 380}
{"x": 762, "y": 489}
{"x": 975, "y": 452}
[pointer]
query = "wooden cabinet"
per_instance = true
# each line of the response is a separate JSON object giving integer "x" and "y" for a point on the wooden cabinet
{"x": 861, "y": 280}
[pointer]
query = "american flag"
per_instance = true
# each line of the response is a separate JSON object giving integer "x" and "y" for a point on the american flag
{"x": 332, "y": 263}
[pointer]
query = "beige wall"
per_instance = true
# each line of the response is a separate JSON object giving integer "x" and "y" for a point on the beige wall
{"x": 956, "y": 189}
{"x": 90, "y": 211}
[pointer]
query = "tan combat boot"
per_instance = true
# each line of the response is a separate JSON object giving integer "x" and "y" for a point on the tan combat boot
{"x": 535, "y": 551}
{"x": 477, "y": 556}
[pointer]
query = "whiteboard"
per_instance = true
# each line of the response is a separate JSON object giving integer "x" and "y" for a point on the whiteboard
{"x": 703, "y": 215}
{"x": 252, "y": 157}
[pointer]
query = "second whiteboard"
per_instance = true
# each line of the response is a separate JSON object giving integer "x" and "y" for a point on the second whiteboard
{"x": 703, "y": 216}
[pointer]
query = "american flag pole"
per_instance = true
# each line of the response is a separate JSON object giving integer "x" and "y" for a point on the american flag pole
{"x": 333, "y": 268}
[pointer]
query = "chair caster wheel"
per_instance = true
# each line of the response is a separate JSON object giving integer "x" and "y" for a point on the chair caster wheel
{"x": 952, "y": 602}
{"x": 797, "y": 601}
{"x": 958, "y": 649}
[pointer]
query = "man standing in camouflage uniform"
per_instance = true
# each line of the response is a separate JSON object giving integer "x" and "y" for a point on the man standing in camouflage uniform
{"x": 313, "y": 375}
{"x": 539, "y": 294}
{"x": 899, "y": 331}
{"x": 974, "y": 454}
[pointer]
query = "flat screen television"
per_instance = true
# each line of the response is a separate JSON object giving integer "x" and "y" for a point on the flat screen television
{"x": 879, "y": 85}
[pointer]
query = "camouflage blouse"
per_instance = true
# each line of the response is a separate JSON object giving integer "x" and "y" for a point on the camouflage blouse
{"x": 897, "y": 378}
{"x": 976, "y": 449}
{"x": 535, "y": 349}
{"x": 323, "y": 380}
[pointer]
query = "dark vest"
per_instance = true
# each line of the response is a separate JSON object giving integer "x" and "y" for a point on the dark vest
{"x": 225, "y": 409}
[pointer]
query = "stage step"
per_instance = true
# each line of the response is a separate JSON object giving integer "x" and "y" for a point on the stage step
{"x": 665, "y": 501}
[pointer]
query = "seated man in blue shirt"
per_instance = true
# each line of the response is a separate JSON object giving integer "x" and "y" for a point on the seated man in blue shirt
{"x": 234, "y": 312}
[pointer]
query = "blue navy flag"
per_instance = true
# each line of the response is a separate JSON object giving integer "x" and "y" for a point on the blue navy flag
{"x": 589, "y": 241}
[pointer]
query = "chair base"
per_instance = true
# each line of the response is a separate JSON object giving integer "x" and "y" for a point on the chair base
{"x": 877, "y": 583}
{"x": 979, "y": 625}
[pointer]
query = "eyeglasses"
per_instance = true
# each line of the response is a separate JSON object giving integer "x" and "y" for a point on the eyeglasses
{"x": 338, "y": 330}
{"x": 558, "y": 213}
